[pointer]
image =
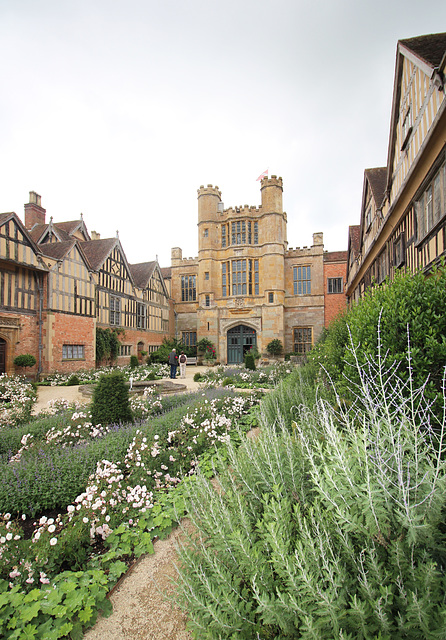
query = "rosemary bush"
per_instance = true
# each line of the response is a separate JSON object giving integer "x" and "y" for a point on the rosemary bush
{"x": 333, "y": 529}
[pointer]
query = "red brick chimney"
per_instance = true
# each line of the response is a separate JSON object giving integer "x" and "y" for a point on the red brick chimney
{"x": 34, "y": 212}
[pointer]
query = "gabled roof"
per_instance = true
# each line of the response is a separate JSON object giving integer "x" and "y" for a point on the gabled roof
{"x": 431, "y": 48}
{"x": 57, "y": 250}
{"x": 97, "y": 251}
{"x": 5, "y": 217}
{"x": 377, "y": 181}
{"x": 354, "y": 239}
{"x": 142, "y": 273}
{"x": 39, "y": 231}
{"x": 429, "y": 53}
{"x": 166, "y": 272}
{"x": 73, "y": 226}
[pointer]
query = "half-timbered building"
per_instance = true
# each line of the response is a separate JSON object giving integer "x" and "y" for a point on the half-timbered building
{"x": 403, "y": 212}
{"x": 58, "y": 285}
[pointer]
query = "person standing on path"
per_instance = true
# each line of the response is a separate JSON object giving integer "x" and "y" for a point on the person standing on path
{"x": 173, "y": 361}
{"x": 183, "y": 361}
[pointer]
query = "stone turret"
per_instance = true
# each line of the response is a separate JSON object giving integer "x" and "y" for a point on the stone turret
{"x": 208, "y": 200}
{"x": 271, "y": 190}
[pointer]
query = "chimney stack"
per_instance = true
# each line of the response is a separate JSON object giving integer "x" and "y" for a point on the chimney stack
{"x": 34, "y": 212}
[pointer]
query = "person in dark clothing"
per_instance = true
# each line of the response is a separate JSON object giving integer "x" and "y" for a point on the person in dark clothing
{"x": 173, "y": 361}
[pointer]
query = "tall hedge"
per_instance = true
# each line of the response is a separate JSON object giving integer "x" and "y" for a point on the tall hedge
{"x": 111, "y": 400}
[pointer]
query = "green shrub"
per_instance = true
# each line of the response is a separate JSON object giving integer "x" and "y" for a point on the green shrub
{"x": 73, "y": 380}
{"x": 334, "y": 529}
{"x": 107, "y": 345}
{"x": 409, "y": 309}
{"x": 25, "y": 360}
{"x": 197, "y": 377}
{"x": 151, "y": 376}
{"x": 111, "y": 400}
{"x": 228, "y": 382}
{"x": 134, "y": 361}
{"x": 275, "y": 347}
{"x": 249, "y": 361}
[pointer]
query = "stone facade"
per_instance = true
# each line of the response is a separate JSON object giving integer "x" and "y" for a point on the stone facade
{"x": 246, "y": 287}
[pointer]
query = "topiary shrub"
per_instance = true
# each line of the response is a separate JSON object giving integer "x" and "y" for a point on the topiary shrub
{"x": 134, "y": 362}
{"x": 25, "y": 360}
{"x": 111, "y": 400}
{"x": 73, "y": 380}
{"x": 275, "y": 347}
{"x": 197, "y": 377}
{"x": 151, "y": 376}
{"x": 250, "y": 362}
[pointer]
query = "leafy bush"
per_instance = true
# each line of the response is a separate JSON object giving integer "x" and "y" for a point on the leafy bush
{"x": 134, "y": 361}
{"x": 111, "y": 400}
{"x": 197, "y": 377}
{"x": 334, "y": 529}
{"x": 73, "y": 380}
{"x": 275, "y": 347}
{"x": 411, "y": 307}
{"x": 107, "y": 345}
{"x": 249, "y": 361}
{"x": 25, "y": 360}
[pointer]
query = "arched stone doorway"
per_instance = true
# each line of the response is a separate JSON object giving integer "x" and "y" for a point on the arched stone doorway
{"x": 2, "y": 356}
{"x": 240, "y": 339}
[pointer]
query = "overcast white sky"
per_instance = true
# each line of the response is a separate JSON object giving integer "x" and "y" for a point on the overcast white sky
{"x": 121, "y": 109}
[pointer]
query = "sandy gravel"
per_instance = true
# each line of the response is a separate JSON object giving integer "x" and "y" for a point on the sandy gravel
{"x": 141, "y": 606}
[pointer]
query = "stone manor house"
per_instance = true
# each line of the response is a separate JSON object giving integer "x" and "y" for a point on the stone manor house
{"x": 59, "y": 284}
{"x": 247, "y": 287}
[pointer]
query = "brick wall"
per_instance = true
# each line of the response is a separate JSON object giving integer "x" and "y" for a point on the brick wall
{"x": 334, "y": 303}
{"x": 60, "y": 329}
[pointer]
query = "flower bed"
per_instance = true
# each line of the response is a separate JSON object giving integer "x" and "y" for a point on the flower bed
{"x": 242, "y": 378}
{"x": 17, "y": 397}
{"x": 110, "y": 491}
{"x": 90, "y": 376}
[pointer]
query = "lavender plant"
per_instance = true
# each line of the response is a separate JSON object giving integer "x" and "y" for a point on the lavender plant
{"x": 331, "y": 529}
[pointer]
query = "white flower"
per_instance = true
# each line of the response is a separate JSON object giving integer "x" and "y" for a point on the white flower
{"x": 53, "y": 541}
{"x": 70, "y": 508}
{"x": 51, "y": 528}
{"x": 85, "y": 520}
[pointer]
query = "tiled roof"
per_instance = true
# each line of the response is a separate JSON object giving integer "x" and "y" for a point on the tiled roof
{"x": 39, "y": 230}
{"x": 166, "y": 272}
{"x": 141, "y": 273}
{"x": 377, "y": 179}
{"x": 354, "y": 236}
{"x": 335, "y": 256}
{"x": 96, "y": 251}
{"x": 57, "y": 250}
{"x": 430, "y": 48}
{"x": 5, "y": 216}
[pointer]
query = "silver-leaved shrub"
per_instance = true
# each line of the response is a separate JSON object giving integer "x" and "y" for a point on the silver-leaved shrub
{"x": 331, "y": 529}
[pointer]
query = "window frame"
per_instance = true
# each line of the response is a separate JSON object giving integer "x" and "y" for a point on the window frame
{"x": 306, "y": 344}
{"x": 332, "y": 280}
{"x": 66, "y": 348}
{"x": 115, "y": 311}
{"x": 302, "y": 280}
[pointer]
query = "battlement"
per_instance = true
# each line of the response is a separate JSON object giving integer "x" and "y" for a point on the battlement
{"x": 246, "y": 210}
{"x": 209, "y": 190}
{"x": 274, "y": 181}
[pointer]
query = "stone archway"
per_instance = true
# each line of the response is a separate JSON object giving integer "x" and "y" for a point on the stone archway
{"x": 240, "y": 339}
